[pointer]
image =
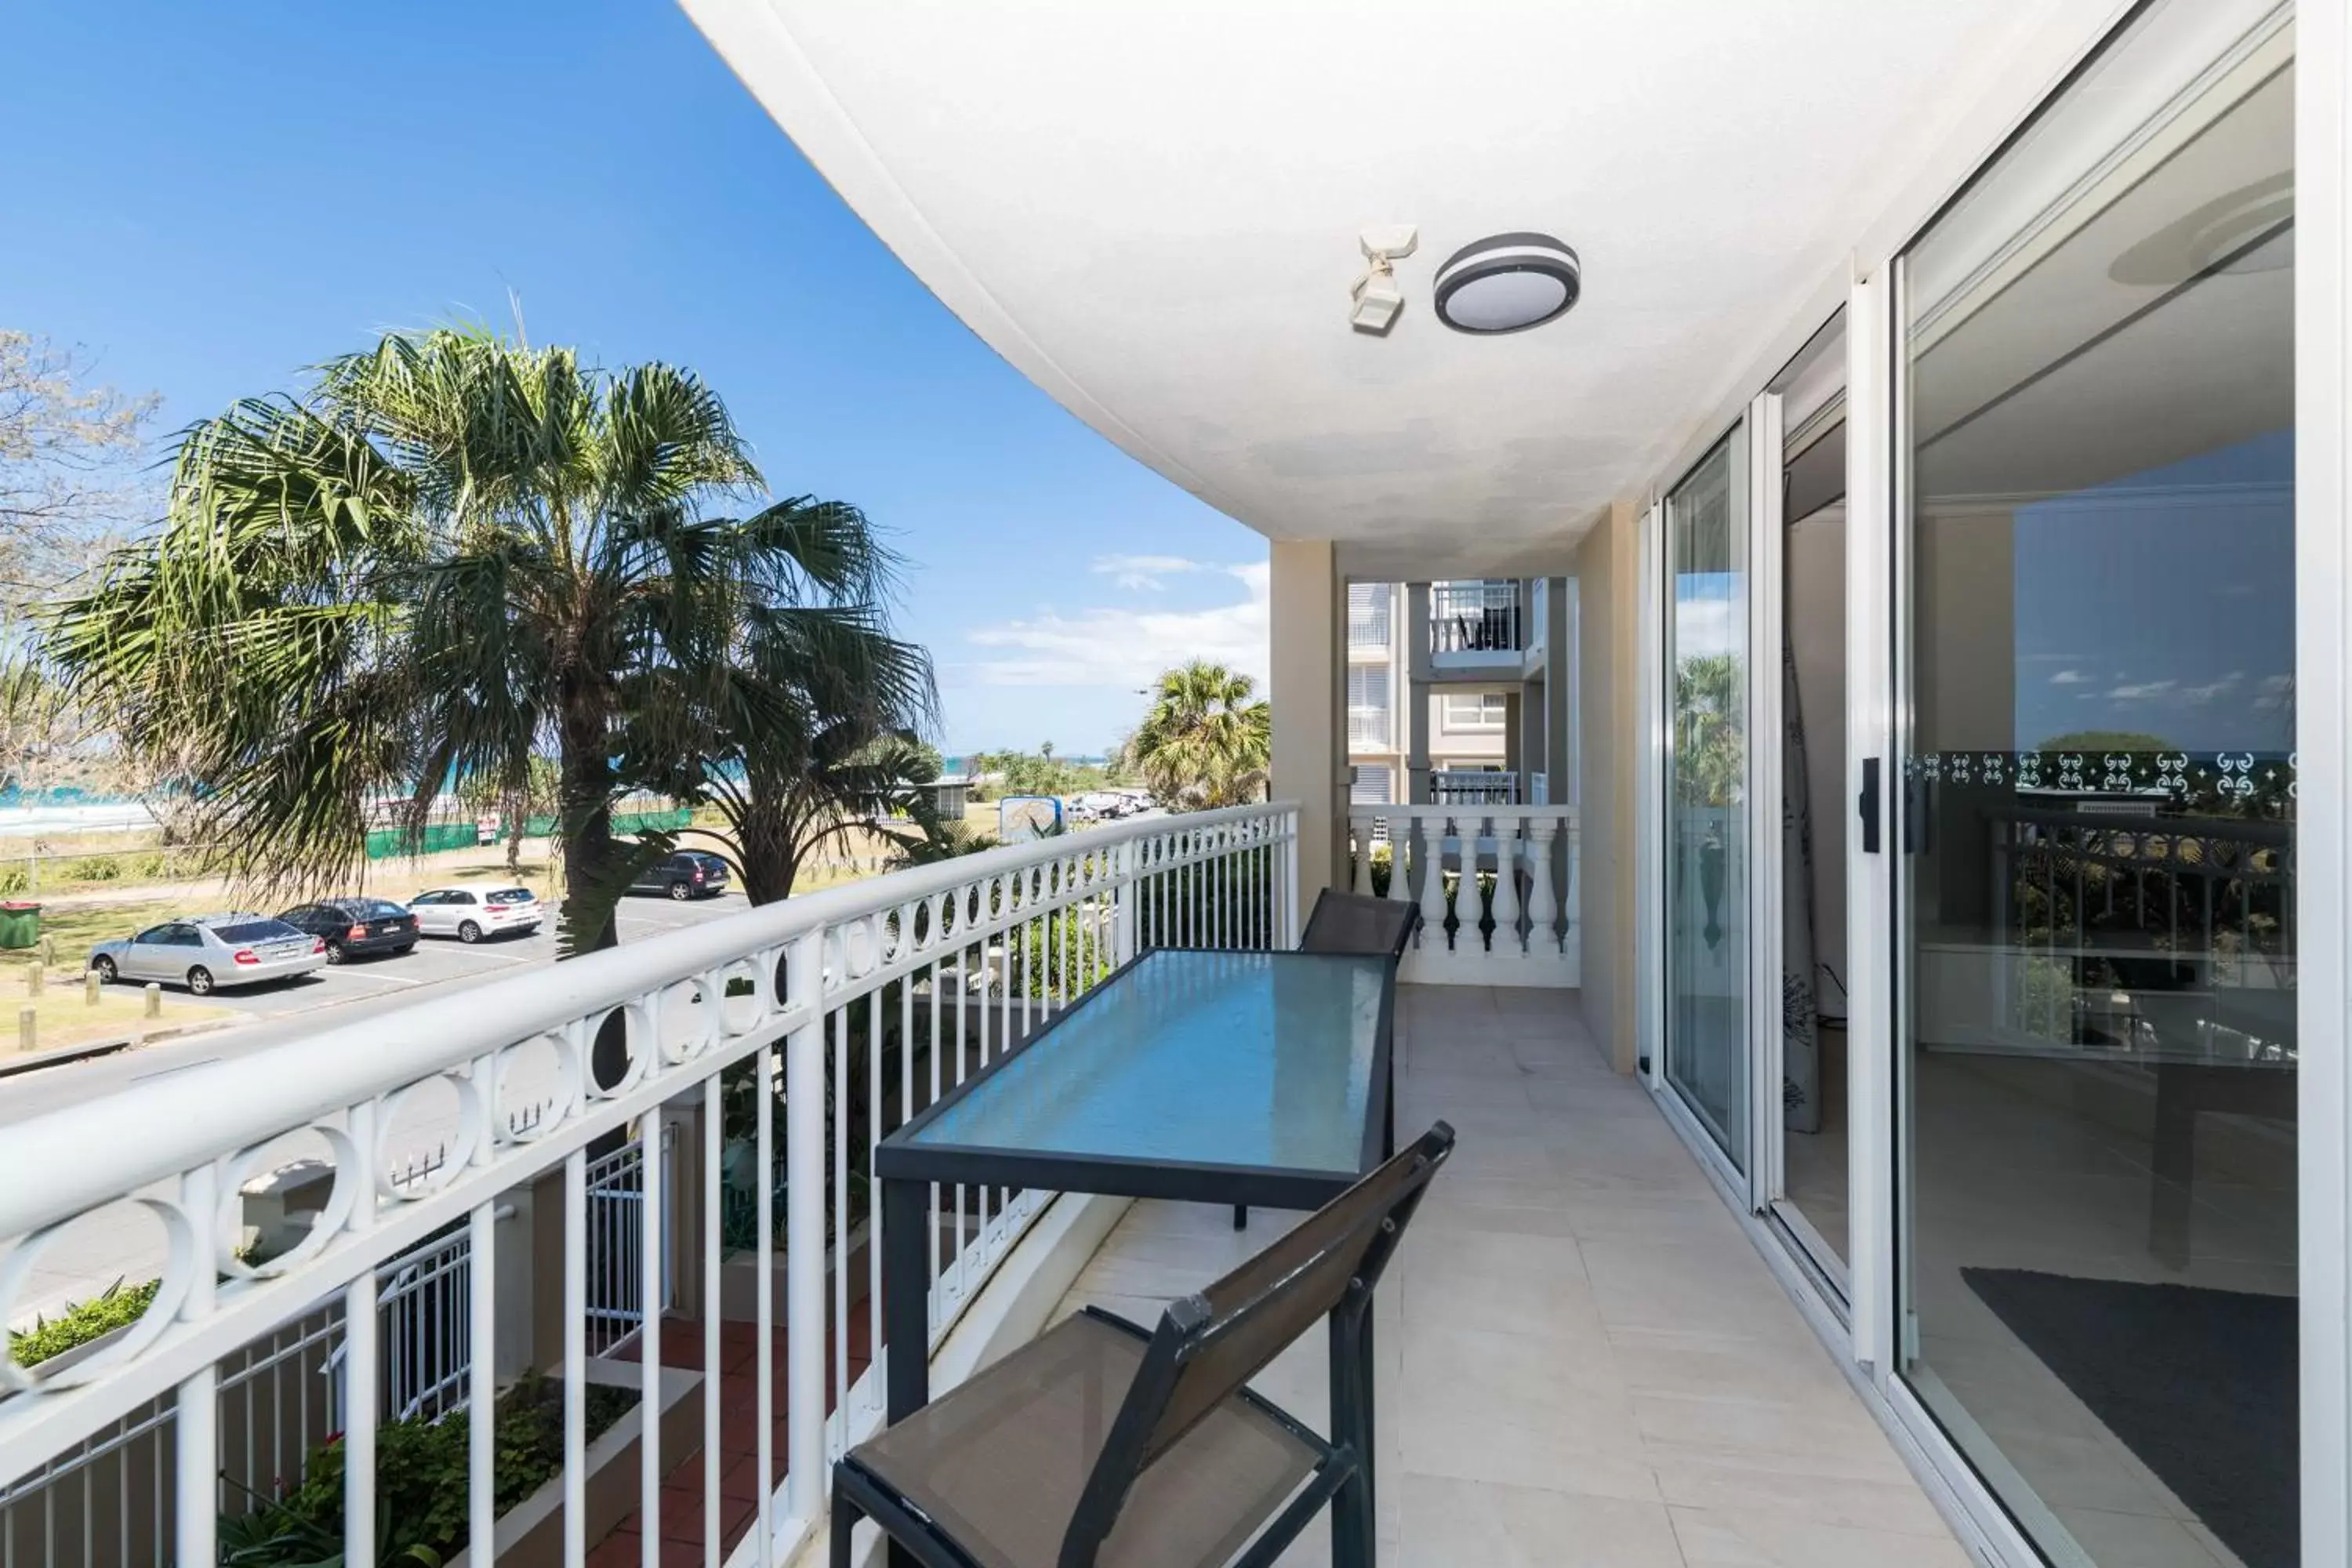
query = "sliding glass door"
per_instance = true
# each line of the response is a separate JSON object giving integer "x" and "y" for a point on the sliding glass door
{"x": 1707, "y": 838}
{"x": 2096, "y": 862}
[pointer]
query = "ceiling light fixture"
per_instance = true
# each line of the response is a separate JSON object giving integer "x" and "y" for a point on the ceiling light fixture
{"x": 1508, "y": 283}
{"x": 1374, "y": 301}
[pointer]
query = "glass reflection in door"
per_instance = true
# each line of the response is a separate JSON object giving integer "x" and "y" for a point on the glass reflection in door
{"x": 2099, "y": 1053}
{"x": 1707, "y": 836}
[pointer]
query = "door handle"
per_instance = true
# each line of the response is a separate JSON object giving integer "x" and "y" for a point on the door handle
{"x": 1869, "y": 805}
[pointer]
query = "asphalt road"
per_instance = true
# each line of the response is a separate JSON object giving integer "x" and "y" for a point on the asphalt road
{"x": 122, "y": 1241}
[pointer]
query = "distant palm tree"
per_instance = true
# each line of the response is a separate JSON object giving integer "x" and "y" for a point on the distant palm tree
{"x": 1206, "y": 742}
{"x": 453, "y": 552}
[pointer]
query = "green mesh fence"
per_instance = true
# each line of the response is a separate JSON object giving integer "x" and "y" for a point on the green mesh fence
{"x": 385, "y": 843}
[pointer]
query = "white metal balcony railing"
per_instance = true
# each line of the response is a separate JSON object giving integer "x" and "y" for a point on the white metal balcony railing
{"x": 1473, "y": 787}
{"x": 1367, "y": 726}
{"x": 1481, "y": 617}
{"x": 1368, "y": 616}
{"x": 861, "y": 1003}
{"x": 1479, "y": 925}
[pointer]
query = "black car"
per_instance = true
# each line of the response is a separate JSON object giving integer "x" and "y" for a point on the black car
{"x": 354, "y": 928}
{"x": 688, "y": 874}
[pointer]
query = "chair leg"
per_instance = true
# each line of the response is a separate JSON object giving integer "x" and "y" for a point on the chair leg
{"x": 1241, "y": 1216}
{"x": 845, "y": 1521}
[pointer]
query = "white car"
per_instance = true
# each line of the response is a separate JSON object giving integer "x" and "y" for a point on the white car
{"x": 471, "y": 913}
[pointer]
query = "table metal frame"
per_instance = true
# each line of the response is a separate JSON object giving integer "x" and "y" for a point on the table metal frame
{"x": 906, "y": 1172}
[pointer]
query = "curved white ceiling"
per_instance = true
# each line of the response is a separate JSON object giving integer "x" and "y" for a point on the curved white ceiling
{"x": 1152, "y": 211}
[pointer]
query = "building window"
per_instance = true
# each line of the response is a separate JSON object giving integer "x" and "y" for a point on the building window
{"x": 1367, "y": 705}
{"x": 1476, "y": 709}
{"x": 1368, "y": 614}
{"x": 1373, "y": 786}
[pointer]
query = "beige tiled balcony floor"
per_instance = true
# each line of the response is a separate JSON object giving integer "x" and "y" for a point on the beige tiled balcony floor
{"x": 1582, "y": 1361}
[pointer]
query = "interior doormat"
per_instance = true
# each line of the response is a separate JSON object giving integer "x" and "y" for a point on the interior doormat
{"x": 2200, "y": 1384}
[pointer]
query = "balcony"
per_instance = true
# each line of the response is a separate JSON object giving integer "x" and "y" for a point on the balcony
{"x": 1475, "y": 628}
{"x": 544, "y": 1195}
{"x": 1473, "y": 787}
{"x": 1368, "y": 727}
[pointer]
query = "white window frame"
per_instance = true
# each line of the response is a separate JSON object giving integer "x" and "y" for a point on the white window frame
{"x": 1481, "y": 725}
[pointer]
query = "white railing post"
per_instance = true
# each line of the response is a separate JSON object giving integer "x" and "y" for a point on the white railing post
{"x": 1290, "y": 910}
{"x": 196, "y": 1438}
{"x": 1127, "y": 883}
{"x": 1543, "y": 939}
{"x": 1506, "y": 880}
{"x": 650, "y": 1198}
{"x": 360, "y": 1354}
{"x": 481, "y": 1333}
{"x": 1429, "y": 858}
{"x": 804, "y": 1309}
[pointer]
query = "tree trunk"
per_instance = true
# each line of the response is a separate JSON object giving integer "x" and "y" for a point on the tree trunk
{"x": 585, "y": 803}
{"x": 513, "y": 809}
{"x": 764, "y": 841}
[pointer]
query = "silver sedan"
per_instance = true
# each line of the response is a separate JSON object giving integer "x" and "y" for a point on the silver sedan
{"x": 210, "y": 952}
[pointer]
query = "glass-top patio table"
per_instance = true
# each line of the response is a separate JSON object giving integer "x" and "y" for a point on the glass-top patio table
{"x": 1255, "y": 1080}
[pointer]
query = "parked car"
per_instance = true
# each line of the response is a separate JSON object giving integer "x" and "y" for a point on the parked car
{"x": 355, "y": 927}
{"x": 471, "y": 913}
{"x": 210, "y": 952}
{"x": 688, "y": 874}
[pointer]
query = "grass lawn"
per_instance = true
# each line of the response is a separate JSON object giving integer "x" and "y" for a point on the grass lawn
{"x": 76, "y": 926}
{"x": 62, "y": 1018}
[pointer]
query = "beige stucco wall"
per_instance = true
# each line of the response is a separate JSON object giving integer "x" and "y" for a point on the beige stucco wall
{"x": 1607, "y": 663}
{"x": 1309, "y": 691}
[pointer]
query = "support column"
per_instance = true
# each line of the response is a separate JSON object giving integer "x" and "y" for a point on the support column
{"x": 1309, "y": 691}
{"x": 1414, "y": 699}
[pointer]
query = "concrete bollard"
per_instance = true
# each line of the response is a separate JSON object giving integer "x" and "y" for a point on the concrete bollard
{"x": 27, "y": 1029}
{"x": 155, "y": 1000}
{"x": 36, "y": 978}
{"x": 90, "y": 989}
{"x": 48, "y": 950}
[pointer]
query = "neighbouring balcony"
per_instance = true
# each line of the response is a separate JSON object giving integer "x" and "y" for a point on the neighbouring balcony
{"x": 1475, "y": 625}
{"x": 1473, "y": 787}
{"x": 1367, "y": 726}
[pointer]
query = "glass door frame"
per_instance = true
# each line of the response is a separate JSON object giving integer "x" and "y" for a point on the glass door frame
{"x": 1655, "y": 823}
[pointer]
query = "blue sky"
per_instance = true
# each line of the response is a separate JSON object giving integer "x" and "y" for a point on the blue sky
{"x": 208, "y": 198}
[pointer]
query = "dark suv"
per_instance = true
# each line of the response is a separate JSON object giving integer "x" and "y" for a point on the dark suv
{"x": 356, "y": 927}
{"x": 688, "y": 874}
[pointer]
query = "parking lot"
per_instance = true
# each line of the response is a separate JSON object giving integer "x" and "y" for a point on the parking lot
{"x": 441, "y": 961}
{"x": 340, "y": 994}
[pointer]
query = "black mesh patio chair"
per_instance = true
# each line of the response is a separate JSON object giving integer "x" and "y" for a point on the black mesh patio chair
{"x": 1352, "y": 922}
{"x": 1102, "y": 1444}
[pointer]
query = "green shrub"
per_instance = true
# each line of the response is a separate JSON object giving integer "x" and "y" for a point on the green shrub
{"x": 421, "y": 1479}
{"x": 115, "y": 1307}
{"x": 14, "y": 879}
{"x": 148, "y": 866}
{"x": 95, "y": 869}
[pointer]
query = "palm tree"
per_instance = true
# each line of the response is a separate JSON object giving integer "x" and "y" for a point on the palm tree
{"x": 1206, "y": 742}
{"x": 452, "y": 552}
{"x": 1710, "y": 742}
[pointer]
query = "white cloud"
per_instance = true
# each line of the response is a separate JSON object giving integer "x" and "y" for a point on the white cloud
{"x": 1145, "y": 572}
{"x": 2142, "y": 691}
{"x": 2213, "y": 688}
{"x": 2069, "y": 677}
{"x": 1127, "y": 648}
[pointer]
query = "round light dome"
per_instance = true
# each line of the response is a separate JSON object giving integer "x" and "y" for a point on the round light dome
{"x": 1507, "y": 283}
